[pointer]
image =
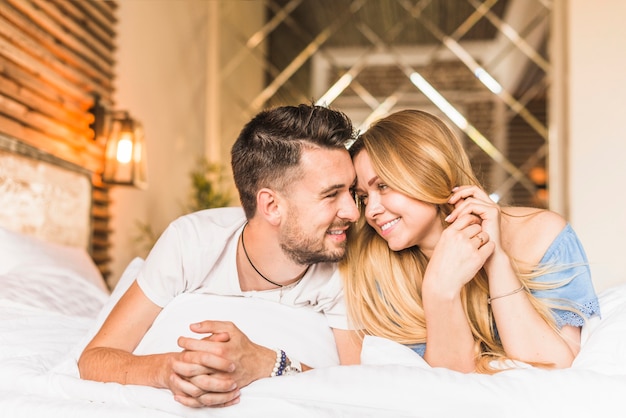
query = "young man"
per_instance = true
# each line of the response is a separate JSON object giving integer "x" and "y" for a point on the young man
{"x": 294, "y": 176}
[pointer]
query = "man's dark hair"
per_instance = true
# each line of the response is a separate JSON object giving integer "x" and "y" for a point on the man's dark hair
{"x": 268, "y": 150}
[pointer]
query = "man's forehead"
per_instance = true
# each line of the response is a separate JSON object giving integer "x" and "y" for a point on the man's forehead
{"x": 328, "y": 170}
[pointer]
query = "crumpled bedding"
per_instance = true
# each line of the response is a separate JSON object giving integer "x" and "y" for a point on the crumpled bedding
{"x": 38, "y": 374}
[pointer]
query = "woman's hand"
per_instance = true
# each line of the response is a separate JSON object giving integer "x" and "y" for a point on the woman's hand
{"x": 472, "y": 200}
{"x": 459, "y": 254}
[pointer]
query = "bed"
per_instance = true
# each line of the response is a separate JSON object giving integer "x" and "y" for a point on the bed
{"x": 53, "y": 299}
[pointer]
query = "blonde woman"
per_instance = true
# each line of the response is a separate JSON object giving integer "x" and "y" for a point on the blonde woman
{"x": 436, "y": 265}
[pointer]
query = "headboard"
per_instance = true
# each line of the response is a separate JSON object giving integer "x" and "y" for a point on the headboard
{"x": 55, "y": 58}
{"x": 44, "y": 196}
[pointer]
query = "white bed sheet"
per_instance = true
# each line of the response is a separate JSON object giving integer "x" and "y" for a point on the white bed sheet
{"x": 38, "y": 376}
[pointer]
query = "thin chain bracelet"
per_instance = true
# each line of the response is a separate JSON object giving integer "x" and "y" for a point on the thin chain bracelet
{"x": 489, "y": 300}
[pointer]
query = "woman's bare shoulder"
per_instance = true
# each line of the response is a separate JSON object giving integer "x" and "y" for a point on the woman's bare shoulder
{"x": 528, "y": 232}
{"x": 525, "y": 217}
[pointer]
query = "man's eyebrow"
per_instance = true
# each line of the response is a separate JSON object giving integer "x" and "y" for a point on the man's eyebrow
{"x": 332, "y": 188}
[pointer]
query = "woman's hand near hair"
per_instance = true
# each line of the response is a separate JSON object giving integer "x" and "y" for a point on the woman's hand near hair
{"x": 455, "y": 260}
{"x": 459, "y": 254}
{"x": 472, "y": 200}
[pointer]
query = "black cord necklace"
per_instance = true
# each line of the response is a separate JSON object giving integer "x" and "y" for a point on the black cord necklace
{"x": 243, "y": 245}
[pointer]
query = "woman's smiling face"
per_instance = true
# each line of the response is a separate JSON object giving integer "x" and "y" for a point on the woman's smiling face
{"x": 401, "y": 220}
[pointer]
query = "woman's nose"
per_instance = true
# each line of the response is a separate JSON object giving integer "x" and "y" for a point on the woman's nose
{"x": 374, "y": 207}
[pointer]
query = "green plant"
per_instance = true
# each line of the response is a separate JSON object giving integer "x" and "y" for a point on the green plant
{"x": 207, "y": 184}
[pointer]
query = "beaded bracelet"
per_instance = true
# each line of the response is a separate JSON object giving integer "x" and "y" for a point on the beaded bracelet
{"x": 284, "y": 366}
{"x": 281, "y": 363}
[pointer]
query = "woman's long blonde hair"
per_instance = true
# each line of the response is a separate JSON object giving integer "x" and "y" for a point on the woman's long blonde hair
{"x": 415, "y": 153}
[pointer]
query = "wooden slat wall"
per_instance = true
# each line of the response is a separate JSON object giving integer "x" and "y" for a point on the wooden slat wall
{"x": 55, "y": 55}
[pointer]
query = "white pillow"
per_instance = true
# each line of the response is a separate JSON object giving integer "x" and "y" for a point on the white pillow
{"x": 380, "y": 351}
{"x": 53, "y": 292}
{"x": 301, "y": 332}
{"x": 30, "y": 254}
{"x": 603, "y": 346}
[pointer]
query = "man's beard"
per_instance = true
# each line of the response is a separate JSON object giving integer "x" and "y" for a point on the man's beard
{"x": 306, "y": 250}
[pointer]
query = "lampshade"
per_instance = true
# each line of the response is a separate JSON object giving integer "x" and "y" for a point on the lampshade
{"x": 125, "y": 149}
{"x": 125, "y": 155}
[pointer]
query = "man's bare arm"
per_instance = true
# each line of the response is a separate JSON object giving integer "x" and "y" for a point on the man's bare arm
{"x": 108, "y": 357}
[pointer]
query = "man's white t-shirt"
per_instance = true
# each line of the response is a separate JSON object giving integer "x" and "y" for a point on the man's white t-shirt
{"x": 197, "y": 254}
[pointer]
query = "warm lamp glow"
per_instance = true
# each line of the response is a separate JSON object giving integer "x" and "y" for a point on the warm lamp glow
{"x": 125, "y": 149}
{"x": 125, "y": 156}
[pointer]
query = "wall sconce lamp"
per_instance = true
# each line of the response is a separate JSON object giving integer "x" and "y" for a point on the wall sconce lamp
{"x": 125, "y": 150}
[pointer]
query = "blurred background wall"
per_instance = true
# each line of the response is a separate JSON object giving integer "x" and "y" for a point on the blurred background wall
{"x": 181, "y": 71}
